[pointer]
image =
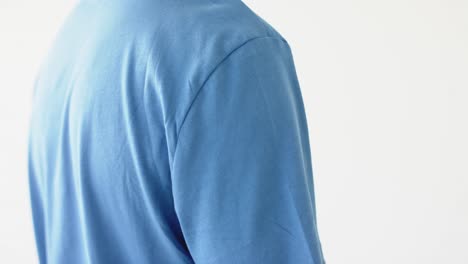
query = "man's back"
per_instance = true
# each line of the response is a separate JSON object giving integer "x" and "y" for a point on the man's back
{"x": 170, "y": 131}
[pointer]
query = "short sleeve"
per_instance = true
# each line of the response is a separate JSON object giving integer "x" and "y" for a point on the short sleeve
{"x": 241, "y": 174}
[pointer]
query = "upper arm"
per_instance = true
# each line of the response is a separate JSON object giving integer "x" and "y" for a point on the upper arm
{"x": 241, "y": 173}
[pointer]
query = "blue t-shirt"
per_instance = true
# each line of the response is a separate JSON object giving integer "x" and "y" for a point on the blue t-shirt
{"x": 170, "y": 131}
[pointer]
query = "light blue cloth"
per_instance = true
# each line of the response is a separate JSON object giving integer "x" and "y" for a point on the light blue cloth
{"x": 170, "y": 131}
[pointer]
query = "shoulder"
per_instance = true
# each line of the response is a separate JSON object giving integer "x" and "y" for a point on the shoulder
{"x": 190, "y": 39}
{"x": 193, "y": 37}
{"x": 209, "y": 29}
{"x": 224, "y": 20}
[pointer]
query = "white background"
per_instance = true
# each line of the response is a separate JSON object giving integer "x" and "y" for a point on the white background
{"x": 385, "y": 84}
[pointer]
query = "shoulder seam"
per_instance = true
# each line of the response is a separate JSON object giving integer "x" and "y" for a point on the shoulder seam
{"x": 192, "y": 101}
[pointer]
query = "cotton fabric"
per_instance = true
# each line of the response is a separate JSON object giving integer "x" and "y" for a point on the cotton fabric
{"x": 170, "y": 131}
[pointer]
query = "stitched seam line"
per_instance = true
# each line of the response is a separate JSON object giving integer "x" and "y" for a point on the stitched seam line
{"x": 208, "y": 77}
